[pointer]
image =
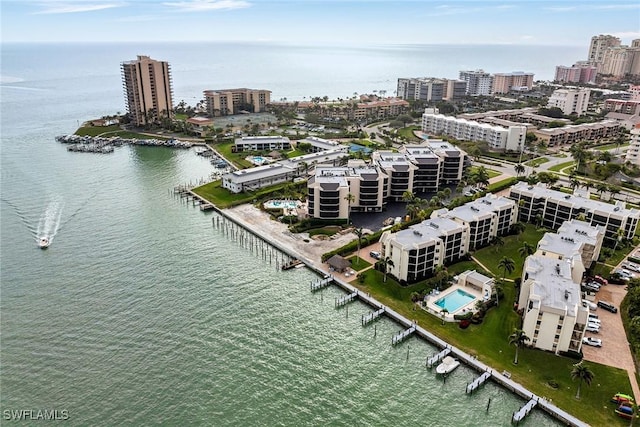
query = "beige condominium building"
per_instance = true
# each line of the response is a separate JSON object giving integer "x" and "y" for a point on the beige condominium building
{"x": 147, "y": 88}
{"x": 633, "y": 152}
{"x": 554, "y": 318}
{"x": 515, "y": 81}
{"x": 227, "y": 102}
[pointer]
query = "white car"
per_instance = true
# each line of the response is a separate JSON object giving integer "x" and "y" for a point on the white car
{"x": 590, "y": 305}
{"x": 595, "y": 321}
{"x": 596, "y": 342}
{"x": 593, "y": 327}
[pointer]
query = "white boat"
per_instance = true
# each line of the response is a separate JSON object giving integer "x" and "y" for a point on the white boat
{"x": 448, "y": 365}
{"x": 43, "y": 243}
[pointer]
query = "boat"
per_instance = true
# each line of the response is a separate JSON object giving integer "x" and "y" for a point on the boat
{"x": 448, "y": 365}
{"x": 625, "y": 410}
{"x": 43, "y": 243}
{"x": 620, "y": 398}
{"x": 292, "y": 264}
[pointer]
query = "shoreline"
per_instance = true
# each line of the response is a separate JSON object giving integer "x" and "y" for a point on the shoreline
{"x": 240, "y": 215}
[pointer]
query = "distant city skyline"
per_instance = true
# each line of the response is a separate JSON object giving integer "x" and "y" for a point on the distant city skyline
{"x": 345, "y": 22}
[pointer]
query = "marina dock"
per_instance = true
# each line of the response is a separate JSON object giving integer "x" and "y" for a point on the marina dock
{"x": 398, "y": 338}
{"x": 346, "y": 299}
{"x": 524, "y": 411}
{"x": 239, "y": 231}
{"x": 370, "y": 317}
{"x": 437, "y": 357}
{"x": 471, "y": 387}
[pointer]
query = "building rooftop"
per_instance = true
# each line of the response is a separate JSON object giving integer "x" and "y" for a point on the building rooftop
{"x": 260, "y": 172}
{"x": 482, "y": 207}
{"x": 252, "y": 139}
{"x": 552, "y": 283}
{"x": 540, "y": 191}
{"x": 427, "y": 230}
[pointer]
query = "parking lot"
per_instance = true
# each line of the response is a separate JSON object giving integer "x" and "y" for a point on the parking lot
{"x": 615, "y": 350}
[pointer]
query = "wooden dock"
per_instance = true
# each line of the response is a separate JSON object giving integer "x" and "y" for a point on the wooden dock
{"x": 291, "y": 264}
{"x": 346, "y": 299}
{"x": 524, "y": 411}
{"x": 370, "y": 317}
{"x": 437, "y": 357}
{"x": 478, "y": 382}
{"x": 398, "y": 338}
{"x": 206, "y": 206}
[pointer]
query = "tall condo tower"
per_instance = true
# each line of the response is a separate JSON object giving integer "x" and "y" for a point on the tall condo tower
{"x": 147, "y": 88}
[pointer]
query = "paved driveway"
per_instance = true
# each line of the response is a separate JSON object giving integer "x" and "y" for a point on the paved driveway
{"x": 615, "y": 350}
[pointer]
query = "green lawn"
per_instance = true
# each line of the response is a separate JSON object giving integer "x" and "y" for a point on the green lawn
{"x": 489, "y": 341}
{"x": 560, "y": 166}
{"x": 492, "y": 173}
{"x": 537, "y": 162}
{"x": 408, "y": 133}
{"x": 358, "y": 264}
{"x": 223, "y": 198}
{"x": 610, "y": 146}
{"x": 490, "y": 256}
{"x": 237, "y": 159}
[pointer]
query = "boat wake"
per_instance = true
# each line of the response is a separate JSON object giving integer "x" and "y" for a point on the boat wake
{"x": 49, "y": 222}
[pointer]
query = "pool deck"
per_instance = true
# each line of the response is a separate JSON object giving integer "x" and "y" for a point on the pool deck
{"x": 436, "y": 310}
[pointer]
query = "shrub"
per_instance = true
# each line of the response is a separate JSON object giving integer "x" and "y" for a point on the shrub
{"x": 577, "y": 355}
{"x": 465, "y": 316}
{"x": 464, "y": 324}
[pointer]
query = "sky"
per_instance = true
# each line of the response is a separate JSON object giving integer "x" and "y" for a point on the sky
{"x": 352, "y": 22}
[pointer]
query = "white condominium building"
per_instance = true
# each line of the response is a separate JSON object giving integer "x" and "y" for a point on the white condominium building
{"x": 478, "y": 82}
{"x": 510, "y": 138}
{"x": 552, "y": 208}
{"x": 321, "y": 144}
{"x": 633, "y": 152}
{"x": 400, "y": 171}
{"x": 262, "y": 143}
{"x": 438, "y": 163}
{"x": 570, "y": 101}
{"x": 418, "y": 250}
{"x": 554, "y": 318}
{"x": 486, "y": 218}
{"x": 330, "y": 188}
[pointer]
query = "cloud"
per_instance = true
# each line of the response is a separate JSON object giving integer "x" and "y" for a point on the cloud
{"x": 204, "y": 5}
{"x": 444, "y": 10}
{"x": 585, "y": 7}
{"x": 627, "y": 34}
{"x": 74, "y": 7}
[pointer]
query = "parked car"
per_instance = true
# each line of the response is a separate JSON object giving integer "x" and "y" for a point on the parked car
{"x": 595, "y": 321}
{"x": 590, "y": 305}
{"x": 632, "y": 267}
{"x": 596, "y": 342}
{"x": 601, "y": 280}
{"x": 592, "y": 327}
{"x": 607, "y": 306}
{"x": 593, "y": 316}
{"x": 592, "y": 287}
{"x": 375, "y": 254}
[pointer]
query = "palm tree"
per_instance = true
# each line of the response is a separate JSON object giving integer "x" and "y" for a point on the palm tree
{"x": 581, "y": 373}
{"x": 507, "y": 265}
{"x": 526, "y": 249}
{"x": 580, "y": 155}
{"x": 386, "y": 263}
{"x": 498, "y": 242}
{"x": 443, "y": 314}
{"x": 518, "y": 338}
{"x": 619, "y": 237}
{"x": 574, "y": 183}
{"x": 519, "y": 169}
{"x": 602, "y": 188}
{"x": 408, "y": 196}
{"x": 482, "y": 176}
{"x": 350, "y": 198}
{"x": 359, "y": 234}
{"x": 518, "y": 227}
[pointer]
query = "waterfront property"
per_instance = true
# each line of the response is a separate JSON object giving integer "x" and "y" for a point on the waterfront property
{"x": 509, "y": 138}
{"x": 147, "y": 86}
{"x": 553, "y": 315}
{"x": 262, "y": 143}
{"x": 226, "y": 102}
{"x": 572, "y": 134}
{"x": 321, "y": 144}
{"x": 418, "y": 250}
{"x": 469, "y": 287}
{"x": 552, "y": 208}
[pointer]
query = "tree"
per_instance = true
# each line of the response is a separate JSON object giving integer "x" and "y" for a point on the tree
{"x": 359, "y": 234}
{"x": 386, "y": 263}
{"x": 580, "y": 155}
{"x": 443, "y": 314}
{"x": 518, "y": 338}
{"x": 518, "y": 227}
{"x": 582, "y": 374}
{"x": 526, "y": 249}
{"x": 350, "y": 198}
{"x": 481, "y": 176}
{"x": 619, "y": 237}
{"x": 498, "y": 242}
{"x": 574, "y": 183}
{"x": 519, "y": 169}
{"x": 507, "y": 265}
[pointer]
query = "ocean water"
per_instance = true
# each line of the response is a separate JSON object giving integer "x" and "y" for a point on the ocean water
{"x": 142, "y": 313}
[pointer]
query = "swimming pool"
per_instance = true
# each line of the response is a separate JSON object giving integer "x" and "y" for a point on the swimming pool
{"x": 281, "y": 204}
{"x": 455, "y": 300}
{"x": 259, "y": 160}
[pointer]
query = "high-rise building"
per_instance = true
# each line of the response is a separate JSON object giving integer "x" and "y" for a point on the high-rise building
{"x": 599, "y": 44}
{"x": 234, "y": 101}
{"x": 478, "y": 82}
{"x": 570, "y": 101}
{"x": 580, "y": 72}
{"x": 147, "y": 87}
{"x": 516, "y": 81}
{"x": 430, "y": 89}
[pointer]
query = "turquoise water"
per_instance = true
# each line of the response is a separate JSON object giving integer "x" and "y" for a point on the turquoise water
{"x": 285, "y": 204}
{"x": 455, "y": 300}
{"x": 141, "y": 313}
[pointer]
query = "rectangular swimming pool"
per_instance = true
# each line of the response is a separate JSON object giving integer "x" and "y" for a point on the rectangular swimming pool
{"x": 455, "y": 300}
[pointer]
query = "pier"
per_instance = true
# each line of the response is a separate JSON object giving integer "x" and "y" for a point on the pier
{"x": 398, "y": 338}
{"x": 478, "y": 382}
{"x": 321, "y": 283}
{"x": 370, "y": 317}
{"x": 524, "y": 411}
{"x": 346, "y": 299}
{"x": 238, "y": 231}
{"x": 437, "y": 357}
